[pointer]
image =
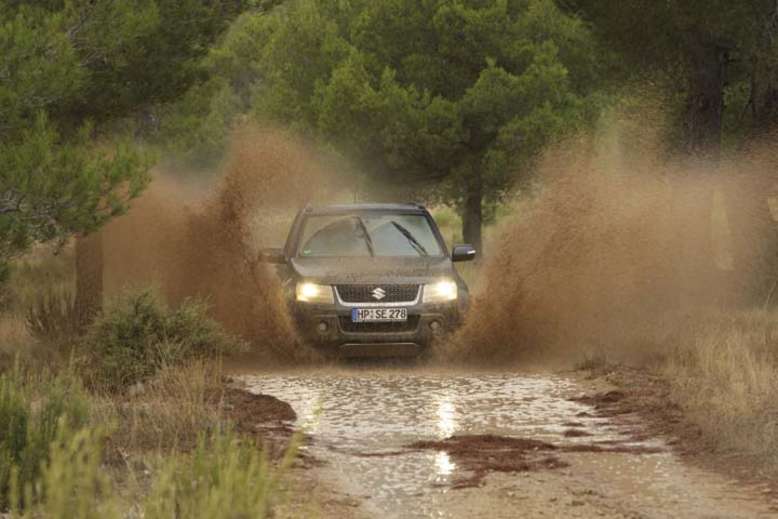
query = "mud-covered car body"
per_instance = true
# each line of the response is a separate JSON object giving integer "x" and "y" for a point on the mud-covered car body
{"x": 367, "y": 280}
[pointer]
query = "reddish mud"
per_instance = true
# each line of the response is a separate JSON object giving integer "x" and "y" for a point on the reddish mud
{"x": 263, "y": 418}
{"x": 481, "y": 454}
{"x": 250, "y": 411}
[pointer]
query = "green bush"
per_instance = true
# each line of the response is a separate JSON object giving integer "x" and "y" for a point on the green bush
{"x": 223, "y": 478}
{"x": 33, "y": 410}
{"x": 137, "y": 335}
{"x": 73, "y": 483}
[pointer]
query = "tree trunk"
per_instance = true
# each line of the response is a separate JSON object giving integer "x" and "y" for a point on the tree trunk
{"x": 764, "y": 106}
{"x": 764, "y": 79}
{"x": 89, "y": 276}
{"x": 706, "y": 101}
{"x": 472, "y": 214}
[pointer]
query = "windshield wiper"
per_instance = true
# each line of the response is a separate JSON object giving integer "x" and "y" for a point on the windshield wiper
{"x": 411, "y": 239}
{"x": 367, "y": 237}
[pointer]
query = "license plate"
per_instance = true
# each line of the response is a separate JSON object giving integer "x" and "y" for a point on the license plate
{"x": 373, "y": 315}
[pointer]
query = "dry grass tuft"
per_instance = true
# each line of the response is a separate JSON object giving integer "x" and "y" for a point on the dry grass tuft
{"x": 725, "y": 377}
{"x": 170, "y": 411}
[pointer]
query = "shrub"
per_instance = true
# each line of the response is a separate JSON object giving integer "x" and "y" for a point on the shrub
{"x": 73, "y": 483}
{"x": 33, "y": 409}
{"x": 137, "y": 335}
{"x": 223, "y": 478}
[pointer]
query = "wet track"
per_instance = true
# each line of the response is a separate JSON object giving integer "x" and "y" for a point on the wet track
{"x": 362, "y": 421}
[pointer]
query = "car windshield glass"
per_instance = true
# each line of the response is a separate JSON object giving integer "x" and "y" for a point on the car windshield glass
{"x": 367, "y": 234}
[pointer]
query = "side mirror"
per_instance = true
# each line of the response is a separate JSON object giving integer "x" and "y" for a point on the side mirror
{"x": 463, "y": 253}
{"x": 275, "y": 256}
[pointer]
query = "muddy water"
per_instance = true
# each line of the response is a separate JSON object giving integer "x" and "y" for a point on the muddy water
{"x": 362, "y": 420}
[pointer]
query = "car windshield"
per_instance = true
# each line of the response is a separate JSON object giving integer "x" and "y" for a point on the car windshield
{"x": 368, "y": 234}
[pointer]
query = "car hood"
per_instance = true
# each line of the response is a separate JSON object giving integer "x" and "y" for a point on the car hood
{"x": 333, "y": 271}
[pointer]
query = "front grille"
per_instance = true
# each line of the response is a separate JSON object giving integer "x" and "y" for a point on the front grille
{"x": 364, "y": 293}
{"x": 391, "y": 327}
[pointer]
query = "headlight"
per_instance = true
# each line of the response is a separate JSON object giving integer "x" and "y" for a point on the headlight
{"x": 440, "y": 292}
{"x": 313, "y": 293}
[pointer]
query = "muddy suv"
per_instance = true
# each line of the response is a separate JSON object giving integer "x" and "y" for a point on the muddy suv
{"x": 368, "y": 280}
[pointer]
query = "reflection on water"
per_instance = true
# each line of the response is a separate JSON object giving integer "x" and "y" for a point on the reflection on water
{"x": 443, "y": 464}
{"x": 447, "y": 423}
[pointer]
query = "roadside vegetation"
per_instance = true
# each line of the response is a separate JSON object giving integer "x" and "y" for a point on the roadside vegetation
{"x": 126, "y": 415}
{"x": 724, "y": 374}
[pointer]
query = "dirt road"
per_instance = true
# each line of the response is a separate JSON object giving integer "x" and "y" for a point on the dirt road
{"x": 524, "y": 447}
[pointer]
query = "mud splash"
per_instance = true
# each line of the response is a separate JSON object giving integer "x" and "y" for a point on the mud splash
{"x": 201, "y": 239}
{"x": 619, "y": 249}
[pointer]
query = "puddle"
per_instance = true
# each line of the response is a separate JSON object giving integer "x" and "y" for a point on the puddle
{"x": 355, "y": 415}
{"x": 363, "y": 421}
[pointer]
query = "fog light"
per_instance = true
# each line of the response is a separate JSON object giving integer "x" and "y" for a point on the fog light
{"x": 323, "y": 327}
{"x": 435, "y": 326}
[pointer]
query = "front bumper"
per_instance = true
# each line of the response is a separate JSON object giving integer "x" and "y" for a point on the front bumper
{"x": 329, "y": 328}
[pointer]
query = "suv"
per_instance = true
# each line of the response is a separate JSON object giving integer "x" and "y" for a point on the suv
{"x": 368, "y": 280}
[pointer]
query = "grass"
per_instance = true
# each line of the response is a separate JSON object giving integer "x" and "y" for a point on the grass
{"x": 166, "y": 451}
{"x": 123, "y": 418}
{"x": 174, "y": 408}
{"x": 35, "y": 409}
{"x": 44, "y": 270}
{"x": 73, "y": 483}
{"x": 223, "y": 477}
{"x": 725, "y": 376}
{"x": 722, "y": 371}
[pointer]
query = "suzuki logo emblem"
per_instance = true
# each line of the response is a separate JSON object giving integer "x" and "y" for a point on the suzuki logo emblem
{"x": 378, "y": 293}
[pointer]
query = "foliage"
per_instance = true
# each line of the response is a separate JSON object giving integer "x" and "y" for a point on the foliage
{"x": 408, "y": 90}
{"x": 34, "y": 411}
{"x": 52, "y": 185}
{"x": 51, "y": 189}
{"x": 137, "y": 335}
{"x": 73, "y": 483}
{"x": 68, "y": 71}
{"x": 223, "y": 478}
{"x": 720, "y": 50}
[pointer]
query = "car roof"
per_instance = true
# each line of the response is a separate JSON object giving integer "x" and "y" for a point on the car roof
{"x": 349, "y": 208}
